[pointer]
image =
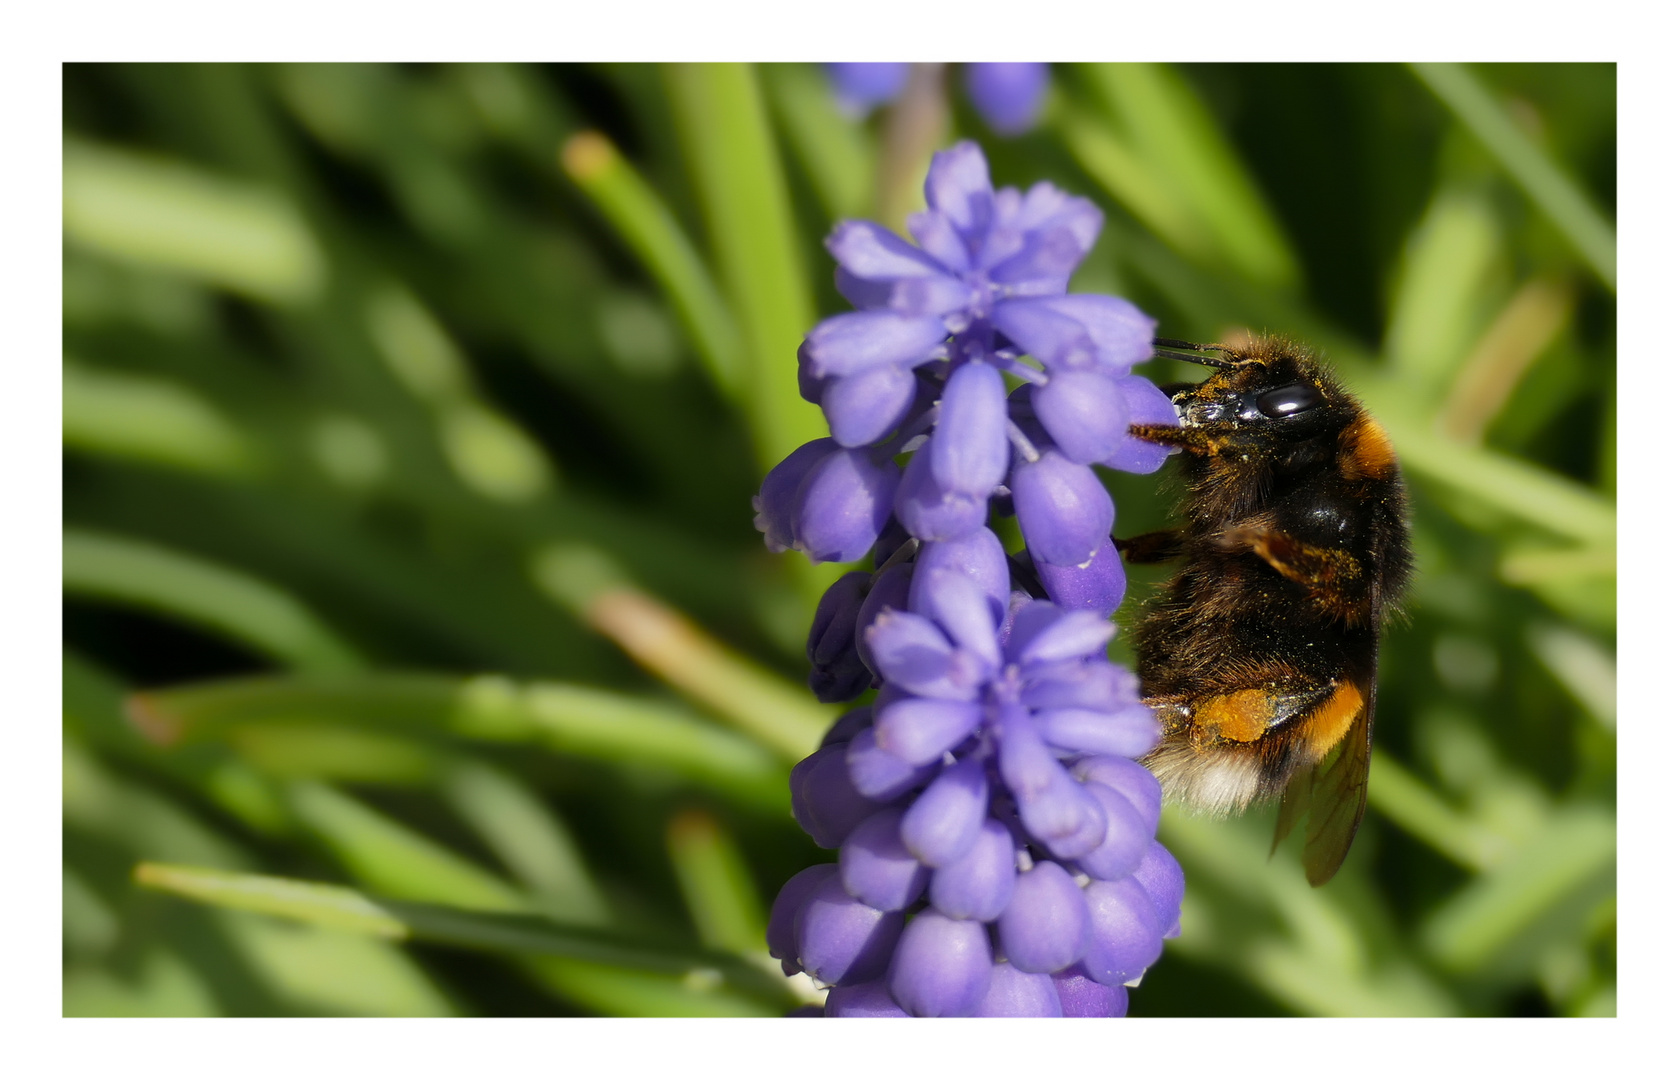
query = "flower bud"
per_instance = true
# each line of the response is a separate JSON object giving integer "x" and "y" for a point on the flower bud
{"x": 837, "y": 672}
{"x": 1125, "y": 931}
{"x": 979, "y": 884}
{"x": 1065, "y": 513}
{"x": 842, "y": 505}
{"x": 843, "y": 940}
{"x": 1015, "y": 993}
{"x": 1046, "y": 926}
{"x": 942, "y": 966}
{"x": 944, "y": 823}
{"x": 1082, "y": 997}
{"x": 877, "y": 869}
{"x": 825, "y": 802}
{"x": 870, "y": 1000}
{"x": 1097, "y": 586}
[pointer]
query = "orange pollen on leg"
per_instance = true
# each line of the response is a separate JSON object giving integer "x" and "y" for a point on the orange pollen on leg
{"x": 1328, "y": 725}
{"x": 1240, "y": 717}
{"x": 1366, "y": 451}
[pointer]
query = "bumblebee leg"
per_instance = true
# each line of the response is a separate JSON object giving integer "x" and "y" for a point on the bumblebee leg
{"x": 1194, "y": 440}
{"x": 1151, "y": 547}
{"x": 1335, "y": 577}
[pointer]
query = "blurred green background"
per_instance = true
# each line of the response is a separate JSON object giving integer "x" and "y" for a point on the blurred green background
{"x": 421, "y": 657}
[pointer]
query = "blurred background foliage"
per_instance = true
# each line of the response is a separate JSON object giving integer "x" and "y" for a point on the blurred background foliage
{"x": 421, "y": 657}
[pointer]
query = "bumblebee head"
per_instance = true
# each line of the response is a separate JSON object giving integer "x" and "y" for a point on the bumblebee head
{"x": 1270, "y": 390}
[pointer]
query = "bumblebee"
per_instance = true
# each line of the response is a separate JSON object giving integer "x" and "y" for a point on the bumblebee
{"x": 1259, "y": 654}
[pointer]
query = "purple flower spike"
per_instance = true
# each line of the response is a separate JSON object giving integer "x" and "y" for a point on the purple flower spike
{"x": 783, "y": 934}
{"x": 993, "y": 772}
{"x": 1015, "y": 993}
{"x": 1147, "y": 406}
{"x": 1047, "y": 924}
{"x": 1008, "y": 96}
{"x": 879, "y": 774}
{"x": 1065, "y": 513}
{"x": 843, "y": 940}
{"x": 871, "y": 1000}
{"x": 1125, "y": 931}
{"x": 1098, "y": 586}
{"x": 877, "y": 869}
{"x": 842, "y": 505}
{"x": 1080, "y": 997}
{"x": 943, "y": 966}
{"x": 979, "y": 884}
{"x": 945, "y": 822}
{"x": 825, "y": 802}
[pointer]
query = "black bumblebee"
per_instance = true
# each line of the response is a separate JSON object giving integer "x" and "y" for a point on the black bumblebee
{"x": 1260, "y": 653}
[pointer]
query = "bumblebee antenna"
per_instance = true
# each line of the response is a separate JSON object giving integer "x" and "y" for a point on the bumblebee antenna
{"x": 1170, "y": 349}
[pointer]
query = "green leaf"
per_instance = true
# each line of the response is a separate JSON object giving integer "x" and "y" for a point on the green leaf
{"x": 500, "y": 932}
{"x": 738, "y": 178}
{"x": 175, "y": 217}
{"x": 139, "y": 418}
{"x": 715, "y": 883}
{"x": 649, "y": 228}
{"x": 1552, "y": 190}
{"x": 223, "y": 600}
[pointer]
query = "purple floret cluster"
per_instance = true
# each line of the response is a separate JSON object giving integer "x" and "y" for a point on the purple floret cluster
{"x": 995, "y": 834}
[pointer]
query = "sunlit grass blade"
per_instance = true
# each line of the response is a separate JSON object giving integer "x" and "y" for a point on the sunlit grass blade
{"x": 1410, "y": 804}
{"x": 245, "y": 609}
{"x": 739, "y": 182}
{"x": 176, "y": 217}
{"x": 716, "y": 883}
{"x": 145, "y": 419}
{"x": 777, "y": 713}
{"x": 500, "y": 932}
{"x": 584, "y": 722}
{"x": 650, "y": 230}
{"x": 1174, "y": 137}
{"x": 1494, "y": 925}
{"x": 835, "y": 151}
{"x": 1552, "y": 190}
{"x": 533, "y": 842}
{"x": 392, "y": 858}
{"x": 1443, "y": 297}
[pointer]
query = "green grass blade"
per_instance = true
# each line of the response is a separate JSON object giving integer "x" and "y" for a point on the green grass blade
{"x": 529, "y": 838}
{"x": 139, "y": 418}
{"x": 835, "y": 151}
{"x": 501, "y": 932}
{"x": 247, "y": 610}
{"x": 178, "y": 218}
{"x": 716, "y": 883}
{"x": 651, "y": 231}
{"x": 738, "y": 177}
{"x": 393, "y": 859}
{"x": 1177, "y": 140}
{"x": 584, "y": 722}
{"x": 1552, "y": 190}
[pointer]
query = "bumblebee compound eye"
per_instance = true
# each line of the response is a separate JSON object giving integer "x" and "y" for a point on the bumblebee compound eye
{"x": 1288, "y": 400}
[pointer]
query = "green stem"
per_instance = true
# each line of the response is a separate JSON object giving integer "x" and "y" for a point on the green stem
{"x": 652, "y": 232}
{"x": 743, "y": 193}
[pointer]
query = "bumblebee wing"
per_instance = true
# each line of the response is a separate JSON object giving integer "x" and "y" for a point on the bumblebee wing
{"x": 1296, "y": 797}
{"x": 1337, "y": 792}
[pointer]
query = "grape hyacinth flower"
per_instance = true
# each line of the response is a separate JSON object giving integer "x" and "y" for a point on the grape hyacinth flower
{"x": 995, "y": 834}
{"x": 1009, "y": 97}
